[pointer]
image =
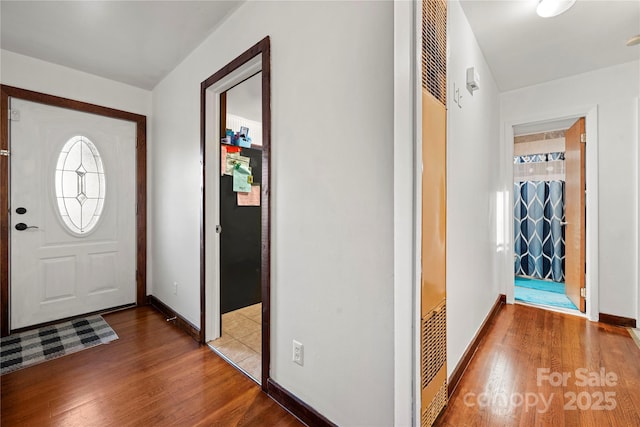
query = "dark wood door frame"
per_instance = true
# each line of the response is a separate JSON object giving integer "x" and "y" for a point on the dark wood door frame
{"x": 263, "y": 49}
{"x": 7, "y": 92}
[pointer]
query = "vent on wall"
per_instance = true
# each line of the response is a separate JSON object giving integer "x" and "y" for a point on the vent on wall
{"x": 433, "y": 357}
{"x": 434, "y": 343}
{"x": 433, "y": 410}
{"x": 434, "y": 48}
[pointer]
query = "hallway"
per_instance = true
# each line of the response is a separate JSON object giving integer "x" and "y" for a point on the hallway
{"x": 542, "y": 368}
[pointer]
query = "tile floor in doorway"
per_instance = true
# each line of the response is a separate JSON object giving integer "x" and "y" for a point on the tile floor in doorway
{"x": 241, "y": 340}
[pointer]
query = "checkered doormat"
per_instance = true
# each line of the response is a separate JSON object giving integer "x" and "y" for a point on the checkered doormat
{"x": 28, "y": 348}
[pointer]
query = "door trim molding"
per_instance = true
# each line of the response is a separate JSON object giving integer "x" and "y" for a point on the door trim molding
{"x": 260, "y": 51}
{"x": 7, "y": 92}
{"x": 407, "y": 27}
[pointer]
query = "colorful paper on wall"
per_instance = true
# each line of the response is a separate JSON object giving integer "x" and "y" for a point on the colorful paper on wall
{"x": 250, "y": 199}
{"x": 233, "y": 159}
{"x": 241, "y": 182}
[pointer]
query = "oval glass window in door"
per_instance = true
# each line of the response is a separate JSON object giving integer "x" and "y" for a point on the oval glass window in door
{"x": 80, "y": 185}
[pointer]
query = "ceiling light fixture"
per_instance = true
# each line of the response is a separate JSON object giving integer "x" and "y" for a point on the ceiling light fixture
{"x": 551, "y": 8}
{"x": 635, "y": 40}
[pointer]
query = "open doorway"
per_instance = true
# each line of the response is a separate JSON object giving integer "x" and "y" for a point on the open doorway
{"x": 549, "y": 214}
{"x": 240, "y": 222}
{"x": 235, "y": 275}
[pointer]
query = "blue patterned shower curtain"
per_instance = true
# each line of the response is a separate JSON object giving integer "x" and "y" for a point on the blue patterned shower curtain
{"x": 539, "y": 235}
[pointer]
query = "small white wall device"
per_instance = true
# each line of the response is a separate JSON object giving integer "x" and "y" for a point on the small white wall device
{"x": 473, "y": 80}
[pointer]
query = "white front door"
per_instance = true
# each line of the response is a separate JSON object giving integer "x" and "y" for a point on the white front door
{"x": 73, "y": 185}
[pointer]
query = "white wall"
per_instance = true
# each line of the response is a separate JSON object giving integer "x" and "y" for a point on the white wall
{"x": 332, "y": 195}
{"x": 473, "y": 142}
{"x": 40, "y": 76}
{"x": 614, "y": 91}
{"x": 255, "y": 128}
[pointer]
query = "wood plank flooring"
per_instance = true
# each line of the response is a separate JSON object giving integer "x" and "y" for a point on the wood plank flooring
{"x": 515, "y": 377}
{"x": 157, "y": 375}
{"x": 154, "y": 375}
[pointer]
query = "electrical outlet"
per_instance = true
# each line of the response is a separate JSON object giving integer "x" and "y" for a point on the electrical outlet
{"x": 175, "y": 288}
{"x": 298, "y": 353}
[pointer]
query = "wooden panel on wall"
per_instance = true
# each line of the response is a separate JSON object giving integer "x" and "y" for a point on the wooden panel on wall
{"x": 434, "y": 201}
{"x": 433, "y": 337}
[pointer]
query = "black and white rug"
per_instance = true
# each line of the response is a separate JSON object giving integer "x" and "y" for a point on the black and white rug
{"x": 28, "y": 348}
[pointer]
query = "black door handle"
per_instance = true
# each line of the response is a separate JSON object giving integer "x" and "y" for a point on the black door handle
{"x": 21, "y": 226}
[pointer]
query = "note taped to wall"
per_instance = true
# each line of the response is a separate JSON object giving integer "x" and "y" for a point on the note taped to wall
{"x": 223, "y": 159}
{"x": 241, "y": 174}
{"x": 232, "y": 159}
{"x": 251, "y": 198}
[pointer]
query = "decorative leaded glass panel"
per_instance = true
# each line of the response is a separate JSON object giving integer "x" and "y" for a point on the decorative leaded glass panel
{"x": 80, "y": 185}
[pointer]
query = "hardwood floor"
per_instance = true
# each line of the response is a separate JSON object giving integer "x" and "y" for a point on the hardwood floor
{"x": 154, "y": 375}
{"x": 515, "y": 377}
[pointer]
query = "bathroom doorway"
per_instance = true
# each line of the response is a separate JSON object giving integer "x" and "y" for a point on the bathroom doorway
{"x": 549, "y": 214}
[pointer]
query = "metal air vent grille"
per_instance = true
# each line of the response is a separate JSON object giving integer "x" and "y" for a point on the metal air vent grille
{"x": 433, "y": 410}
{"x": 434, "y": 48}
{"x": 434, "y": 343}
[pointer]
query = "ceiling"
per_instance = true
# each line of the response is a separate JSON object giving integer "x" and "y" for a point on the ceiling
{"x": 523, "y": 49}
{"x": 133, "y": 42}
{"x": 140, "y": 42}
